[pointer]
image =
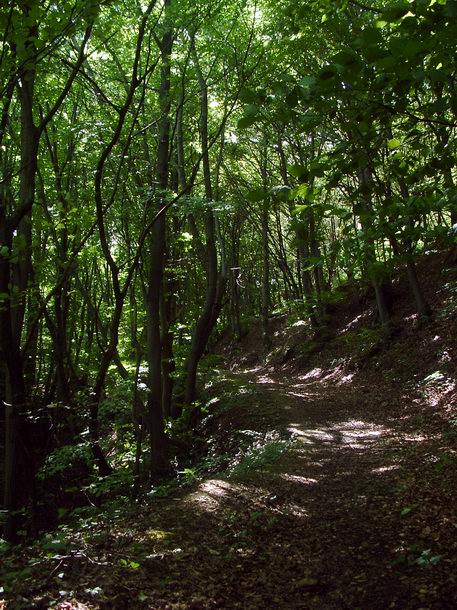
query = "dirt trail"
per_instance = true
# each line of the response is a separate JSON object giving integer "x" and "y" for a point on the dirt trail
{"x": 344, "y": 519}
{"x": 333, "y": 494}
{"x": 355, "y": 514}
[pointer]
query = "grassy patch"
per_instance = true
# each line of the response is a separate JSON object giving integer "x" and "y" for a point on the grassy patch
{"x": 364, "y": 342}
{"x": 258, "y": 457}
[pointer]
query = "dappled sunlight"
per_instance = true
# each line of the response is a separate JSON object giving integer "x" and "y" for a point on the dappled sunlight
{"x": 346, "y": 378}
{"x": 358, "y": 434}
{"x": 157, "y": 534}
{"x": 296, "y": 510}
{"x": 243, "y": 390}
{"x": 436, "y": 388}
{"x": 301, "y": 385}
{"x": 295, "y": 478}
{"x": 265, "y": 379}
{"x": 318, "y": 435}
{"x": 353, "y": 433}
{"x": 210, "y": 493}
{"x": 382, "y": 469}
{"x": 338, "y": 375}
{"x": 301, "y": 394}
{"x": 251, "y": 371}
{"x": 411, "y": 318}
{"x": 313, "y": 374}
{"x": 414, "y": 438}
{"x": 350, "y": 325}
{"x": 299, "y": 434}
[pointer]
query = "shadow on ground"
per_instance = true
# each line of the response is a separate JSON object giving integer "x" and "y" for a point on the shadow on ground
{"x": 358, "y": 513}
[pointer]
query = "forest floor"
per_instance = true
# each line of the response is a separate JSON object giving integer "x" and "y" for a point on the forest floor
{"x": 358, "y": 512}
{"x": 345, "y": 499}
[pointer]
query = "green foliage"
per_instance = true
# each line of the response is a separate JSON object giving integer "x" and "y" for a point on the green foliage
{"x": 131, "y": 565}
{"x": 416, "y": 555}
{"x": 450, "y": 304}
{"x": 113, "y": 485}
{"x": 363, "y": 342}
{"x": 117, "y": 407}
{"x": 65, "y": 458}
{"x": 259, "y": 455}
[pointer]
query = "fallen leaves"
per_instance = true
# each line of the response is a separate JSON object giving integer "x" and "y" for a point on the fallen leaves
{"x": 275, "y": 539}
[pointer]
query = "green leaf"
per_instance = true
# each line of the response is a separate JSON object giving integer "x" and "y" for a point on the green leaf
{"x": 297, "y": 170}
{"x": 394, "y": 143}
{"x": 256, "y": 195}
{"x": 251, "y": 110}
{"x": 450, "y": 9}
{"x": 300, "y": 192}
{"x": 292, "y": 98}
{"x": 248, "y": 97}
{"x": 310, "y": 121}
{"x": 394, "y": 13}
{"x": 328, "y": 73}
{"x": 369, "y": 36}
{"x": 346, "y": 57}
{"x": 318, "y": 169}
{"x": 298, "y": 209}
{"x": 281, "y": 191}
{"x": 307, "y": 81}
{"x": 246, "y": 122}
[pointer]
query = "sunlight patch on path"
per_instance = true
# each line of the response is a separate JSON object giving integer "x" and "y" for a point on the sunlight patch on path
{"x": 211, "y": 493}
{"x": 382, "y": 469}
{"x": 313, "y": 374}
{"x": 312, "y": 435}
{"x": 355, "y": 434}
{"x": 265, "y": 379}
{"x": 301, "y": 394}
{"x": 295, "y": 478}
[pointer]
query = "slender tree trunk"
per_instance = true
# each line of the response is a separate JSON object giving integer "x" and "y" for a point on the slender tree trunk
{"x": 422, "y": 306}
{"x": 235, "y": 278}
{"x": 159, "y": 462}
{"x": 365, "y": 178}
{"x": 265, "y": 293}
{"x": 167, "y": 314}
{"x": 14, "y": 277}
{"x": 118, "y": 294}
{"x": 216, "y": 283}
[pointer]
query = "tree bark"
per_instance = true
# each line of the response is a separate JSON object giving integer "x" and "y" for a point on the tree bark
{"x": 365, "y": 178}
{"x": 159, "y": 462}
{"x": 216, "y": 282}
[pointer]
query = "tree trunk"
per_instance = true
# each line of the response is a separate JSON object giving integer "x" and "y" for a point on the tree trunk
{"x": 265, "y": 293}
{"x": 422, "y": 306}
{"x": 14, "y": 277}
{"x": 365, "y": 177}
{"x": 159, "y": 462}
{"x": 216, "y": 283}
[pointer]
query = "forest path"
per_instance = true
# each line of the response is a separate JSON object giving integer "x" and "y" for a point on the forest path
{"x": 334, "y": 532}
{"x": 322, "y": 529}
{"x": 354, "y": 514}
{"x": 347, "y": 517}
